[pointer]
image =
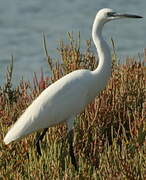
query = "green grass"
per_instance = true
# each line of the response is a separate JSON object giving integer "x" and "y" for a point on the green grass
{"x": 110, "y": 134}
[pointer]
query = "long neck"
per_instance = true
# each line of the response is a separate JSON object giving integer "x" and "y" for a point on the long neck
{"x": 104, "y": 65}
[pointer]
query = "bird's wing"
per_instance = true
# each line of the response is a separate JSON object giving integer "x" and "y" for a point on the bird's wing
{"x": 57, "y": 103}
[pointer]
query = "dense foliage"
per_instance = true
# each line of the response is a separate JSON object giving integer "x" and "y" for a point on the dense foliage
{"x": 110, "y": 134}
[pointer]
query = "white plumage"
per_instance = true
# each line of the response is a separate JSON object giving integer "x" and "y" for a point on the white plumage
{"x": 68, "y": 96}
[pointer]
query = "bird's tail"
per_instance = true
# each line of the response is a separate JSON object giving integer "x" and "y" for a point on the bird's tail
{"x": 21, "y": 128}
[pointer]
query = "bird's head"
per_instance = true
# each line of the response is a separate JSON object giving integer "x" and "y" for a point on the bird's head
{"x": 106, "y": 14}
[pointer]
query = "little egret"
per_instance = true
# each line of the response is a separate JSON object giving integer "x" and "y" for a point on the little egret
{"x": 68, "y": 96}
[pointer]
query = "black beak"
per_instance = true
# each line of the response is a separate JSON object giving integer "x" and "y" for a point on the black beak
{"x": 127, "y": 16}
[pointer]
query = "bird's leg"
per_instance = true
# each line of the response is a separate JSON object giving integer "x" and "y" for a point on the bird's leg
{"x": 70, "y": 137}
{"x": 39, "y": 137}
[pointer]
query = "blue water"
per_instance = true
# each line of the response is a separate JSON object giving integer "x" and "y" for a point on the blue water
{"x": 23, "y": 22}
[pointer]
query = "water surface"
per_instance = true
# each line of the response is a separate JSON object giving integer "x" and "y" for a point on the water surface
{"x": 23, "y": 22}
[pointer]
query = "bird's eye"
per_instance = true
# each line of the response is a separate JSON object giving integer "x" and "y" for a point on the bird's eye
{"x": 111, "y": 14}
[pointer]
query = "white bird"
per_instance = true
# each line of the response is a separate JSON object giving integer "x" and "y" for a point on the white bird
{"x": 68, "y": 96}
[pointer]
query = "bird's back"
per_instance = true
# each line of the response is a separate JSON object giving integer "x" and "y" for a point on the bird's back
{"x": 66, "y": 97}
